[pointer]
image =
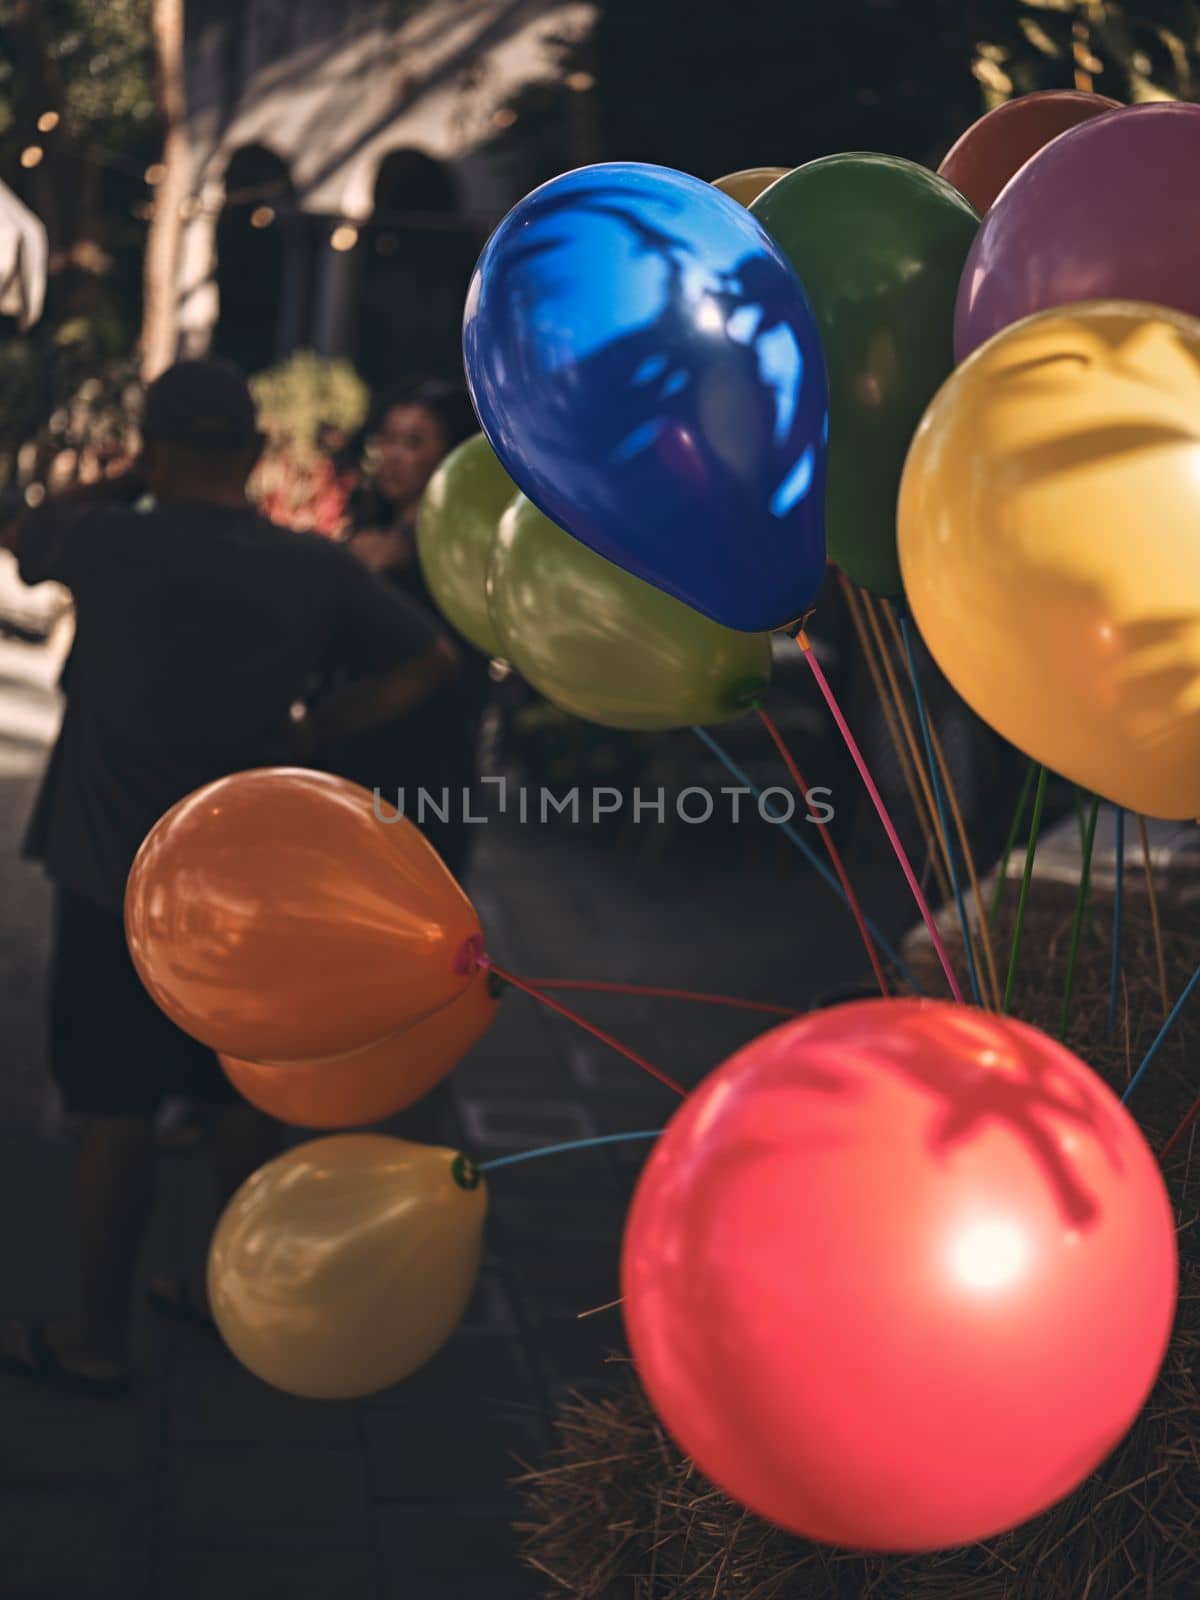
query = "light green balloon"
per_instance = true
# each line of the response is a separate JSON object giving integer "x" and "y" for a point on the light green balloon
{"x": 603, "y": 645}
{"x": 456, "y": 525}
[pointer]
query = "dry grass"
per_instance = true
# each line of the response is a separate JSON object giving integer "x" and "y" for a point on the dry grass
{"x": 619, "y": 1514}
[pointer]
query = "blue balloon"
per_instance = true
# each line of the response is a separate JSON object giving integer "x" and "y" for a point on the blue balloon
{"x": 647, "y": 367}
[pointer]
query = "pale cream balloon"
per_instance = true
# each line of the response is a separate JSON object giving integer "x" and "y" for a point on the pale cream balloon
{"x": 342, "y": 1266}
{"x": 747, "y": 185}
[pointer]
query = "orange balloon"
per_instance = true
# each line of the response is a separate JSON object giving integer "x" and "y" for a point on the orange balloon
{"x": 997, "y": 146}
{"x": 352, "y": 1091}
{"x": 274, "y": 917}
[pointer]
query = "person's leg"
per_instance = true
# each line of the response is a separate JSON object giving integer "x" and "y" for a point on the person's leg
{"x": 115, "y": 1197}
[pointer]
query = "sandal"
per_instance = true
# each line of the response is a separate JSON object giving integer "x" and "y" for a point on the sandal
{"x": 43, "y": 1365}
{"x": 174, "y": 1302}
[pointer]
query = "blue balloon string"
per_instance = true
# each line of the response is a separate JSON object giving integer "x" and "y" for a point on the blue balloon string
{"x": 557, "y": 1149}
{"x": 1118, "y": 892}
{"x": 940, "y": 801}
{"x": 808, "y": 852}
{"x": 1162, "y": 1034}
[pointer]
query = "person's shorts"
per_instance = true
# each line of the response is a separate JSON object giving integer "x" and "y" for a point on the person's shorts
{"x": 112, "y": 1051}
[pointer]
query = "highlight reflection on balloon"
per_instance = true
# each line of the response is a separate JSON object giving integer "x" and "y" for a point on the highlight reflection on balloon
{"x": 899, "y": 1274}
{"x": 341, "y": 1267}
{"x": 1047, "y": 534}
{"x": 648, "y": 370}
{"x": 274, "y": 916}
{"x": 461, "y": 506}
{"x": 601, "y": 644}
{"x": 375, "y": 1082}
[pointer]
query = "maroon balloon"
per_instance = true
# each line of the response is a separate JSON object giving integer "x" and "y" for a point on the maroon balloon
{"x": 996, "y": 147}
{"x": 1105, "y": 211}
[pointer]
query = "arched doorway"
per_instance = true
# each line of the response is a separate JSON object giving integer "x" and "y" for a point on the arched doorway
{"x": 417, "y": 260}
{"x": 258, "y": 261}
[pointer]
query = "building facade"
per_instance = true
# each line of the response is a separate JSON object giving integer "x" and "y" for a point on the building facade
{"x": 348, "y": 159}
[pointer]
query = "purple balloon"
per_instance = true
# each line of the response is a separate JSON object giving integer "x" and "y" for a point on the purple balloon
{"x": 1105, "y": 211}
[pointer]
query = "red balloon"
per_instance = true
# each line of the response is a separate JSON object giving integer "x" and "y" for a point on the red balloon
{"x": 984, "y": 158}
{"x": 275, "y": 917}
{"x": 900, "y": 1274}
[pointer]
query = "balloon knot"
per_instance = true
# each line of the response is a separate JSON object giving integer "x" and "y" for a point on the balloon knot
{"x": 470, "y": 957}
{"x": 465, "y": 1172}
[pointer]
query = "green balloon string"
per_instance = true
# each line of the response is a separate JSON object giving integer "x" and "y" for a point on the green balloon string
{"x": 1039, "y": 799}
{"x": 1085, "y": 877}
{"x": 1014, "y": 828}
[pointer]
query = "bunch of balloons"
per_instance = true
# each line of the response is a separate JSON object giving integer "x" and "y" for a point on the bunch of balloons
{"x": 328, "y": 958}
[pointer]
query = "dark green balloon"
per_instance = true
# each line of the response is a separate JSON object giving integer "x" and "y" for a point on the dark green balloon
{"x": 456, "y": 525}
{"x": 603, "y": 645}
{"x": 879, "y": 244}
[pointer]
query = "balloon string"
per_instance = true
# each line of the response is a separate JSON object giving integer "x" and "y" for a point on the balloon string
{"x": 654, "y": 992}
{"x": 1085, "y": 878}
{"x": 580, "y": 1022}
{"x": 1035, "y": 823}
{"x": 940, "y": 801}
{"x": 834, "y": 853}
{"x": 981, "y": 929}
{"x": 807, "y": 851}
{"x": 1175, "y": 1012}
{"x": 1180, "y": 1131}
{"x": 1155, "y": 923}
{"x": 889, "y": 827}
{"x": 559, "y": 1149}
{"x": 1118, "y": 898}
{"x": 895, "y": 713}
{"x": 1014, "y": 829}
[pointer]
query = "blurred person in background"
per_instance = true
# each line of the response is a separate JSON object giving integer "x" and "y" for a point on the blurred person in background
{"x": 435, "y": 745}
{"x": 199, "y": 625}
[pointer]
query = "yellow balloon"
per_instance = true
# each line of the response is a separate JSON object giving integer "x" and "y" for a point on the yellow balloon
{"x": 343, "y": 1266}
{"x": 746, "y": 186}
{"x": 1048, "y": 539}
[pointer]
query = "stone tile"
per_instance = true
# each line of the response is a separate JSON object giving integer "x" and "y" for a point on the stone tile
{"x": 443, "y": 1456}
{"x": 565, "y": 1273}
{"x": 81, "y": 1541}
{"x": 511, "y": 1125}
{"x": 473, "y": 1369}
{"x": 265, "y": 1494}
{"x": 211, "y": 1398}
{"x": 263, "y": 1573}
{"x": 576, "y": 1350}
{"x": 56, "y": 1439}
{"x": 456, "y": 1551}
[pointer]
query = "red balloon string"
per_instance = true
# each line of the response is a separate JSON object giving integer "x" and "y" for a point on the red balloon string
{"x": 835, "y": 854}
{"x": 580, "y": 1022}
{"x": 654, "y": 992}
{"x": 1180, "y": 1131}
{"x": 889, "y": 828}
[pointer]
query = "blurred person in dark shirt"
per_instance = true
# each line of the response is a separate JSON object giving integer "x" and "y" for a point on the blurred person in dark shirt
{"x": 199, "y": 626}
{"x": 433, "y": 746}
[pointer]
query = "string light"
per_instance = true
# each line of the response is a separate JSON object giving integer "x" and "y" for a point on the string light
{"x": 262, "y": 217}
{"x": 155, "y": 173}
{"x": 32, "y": 155}
{"x": 504, "y": 118}
{"x": 581, "y": 82}
{"x": 48, "y": 121}
{"x": 344, "y": 237}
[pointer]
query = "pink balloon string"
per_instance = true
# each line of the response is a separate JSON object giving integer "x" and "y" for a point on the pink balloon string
{"x": 835, "y": 855}
{"x": 656, "y": 992}
{"x": 889, "y": 828}
{"x": 536, "y": 993}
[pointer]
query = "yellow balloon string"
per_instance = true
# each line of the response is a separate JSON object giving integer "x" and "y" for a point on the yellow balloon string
{"x": 918, "y": 793}
{"x": 964, "y": 843}
{"x": 1152, "y": 896}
